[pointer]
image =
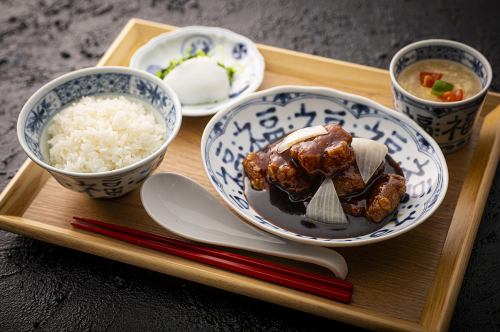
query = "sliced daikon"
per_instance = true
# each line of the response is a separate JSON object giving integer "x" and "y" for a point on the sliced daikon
{"x": 369, "y": 155}
{"x": 198, "y": 81}
{"x": 325, "y": 206}
{"x": 299, "y": 136}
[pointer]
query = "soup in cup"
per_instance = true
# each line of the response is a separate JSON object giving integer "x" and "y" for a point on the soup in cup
{"x": 441, "y": 84}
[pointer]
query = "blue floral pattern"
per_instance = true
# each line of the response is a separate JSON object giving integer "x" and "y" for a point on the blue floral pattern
{"x": 197, "y": 42}
{"x": 152, "y": 94}
{"x": 239, "y": 51}
{"x": 254, "y": 124}
{"x": 99, "y": 84}
{"x": 92, "y": 85}
{"x": 109, "y": 187}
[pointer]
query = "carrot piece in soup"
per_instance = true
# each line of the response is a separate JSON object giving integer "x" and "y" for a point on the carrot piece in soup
{"x": 427, "y": 79}
{"x": 455, "y": 95}
{"x": 447, "y": 96}
{"x": 459, "y": 94}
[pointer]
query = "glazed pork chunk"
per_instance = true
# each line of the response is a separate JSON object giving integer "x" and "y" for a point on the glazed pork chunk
{"x": 349, "y": 181}
{"x": 386, "y": 194}
{"x": 326, "y": 154}
{"x": 255, "y": 166}
{"x": 269, "y": 165}
{"x": 300, "y": 167}
{"x": 286, "y": 175}
{"x": 294, "y": 169}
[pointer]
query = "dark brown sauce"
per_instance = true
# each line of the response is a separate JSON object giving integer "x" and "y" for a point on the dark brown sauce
{"x": 275, "y": 206}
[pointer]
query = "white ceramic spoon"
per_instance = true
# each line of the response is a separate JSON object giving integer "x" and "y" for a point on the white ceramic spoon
{"x": 187, "y": 209}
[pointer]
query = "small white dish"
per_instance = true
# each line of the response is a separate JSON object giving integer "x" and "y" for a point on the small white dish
{"x": 223, "y": 45}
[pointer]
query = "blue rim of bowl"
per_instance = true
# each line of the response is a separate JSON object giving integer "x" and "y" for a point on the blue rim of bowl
{"x": 94, "y": 70}
{"x": 331, "y": 92}
{"x": 207, "y": 30}
{"x": 440, "y": 42}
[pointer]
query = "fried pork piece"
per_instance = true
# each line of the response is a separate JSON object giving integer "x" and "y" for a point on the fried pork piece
{"x": 385, "y": 197}
{"x": 354, "y": 208}
{"x": 326, "y": 154}
{"x": 255, "y": 166}
{"x": 350, "y": 182}
{"x": 282, "y": 172}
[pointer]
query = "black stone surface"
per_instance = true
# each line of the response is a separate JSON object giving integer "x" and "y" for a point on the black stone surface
{"x": 45, "y": 287}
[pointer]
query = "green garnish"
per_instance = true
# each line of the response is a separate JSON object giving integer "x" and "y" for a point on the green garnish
{"x": 230, "y": 71}
{"x": 174, "y": 63}
{"x": 441, "y": 87}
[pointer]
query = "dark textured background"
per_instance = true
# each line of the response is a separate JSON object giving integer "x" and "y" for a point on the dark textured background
{"x": 52, "y": 288}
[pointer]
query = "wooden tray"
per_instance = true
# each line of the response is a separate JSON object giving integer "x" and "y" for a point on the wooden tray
{"x": 407, "y": 283}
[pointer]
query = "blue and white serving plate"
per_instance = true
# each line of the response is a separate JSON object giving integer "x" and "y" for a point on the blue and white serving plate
{"x": 256, "y": 120}
{"x": 223, "y": 45}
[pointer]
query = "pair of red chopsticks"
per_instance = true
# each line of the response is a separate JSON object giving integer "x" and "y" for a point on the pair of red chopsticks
{"x": 331, "y": 288}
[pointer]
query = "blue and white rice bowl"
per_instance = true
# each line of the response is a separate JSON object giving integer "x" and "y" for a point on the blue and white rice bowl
{"x": 223, "y": 45}
{"x": 449, "y": 123}
{"x": 258, "y": 119}
{"x": 69, "y": 88}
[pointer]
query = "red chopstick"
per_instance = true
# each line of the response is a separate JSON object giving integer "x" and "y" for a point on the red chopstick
{"x": 331, "y": 288}
{"x": 222, "y": 254}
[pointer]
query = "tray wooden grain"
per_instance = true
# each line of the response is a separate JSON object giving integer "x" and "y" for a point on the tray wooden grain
{"x": 407, "y": 283}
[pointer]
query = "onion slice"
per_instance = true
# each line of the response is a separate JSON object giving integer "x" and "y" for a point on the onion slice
{"x": 369, "y": 155}
{"x": 299, "y": 136}
{"x": 325, "y": 206}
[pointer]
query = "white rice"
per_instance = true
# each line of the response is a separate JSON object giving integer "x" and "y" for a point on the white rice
{"x": 98, "y": 134}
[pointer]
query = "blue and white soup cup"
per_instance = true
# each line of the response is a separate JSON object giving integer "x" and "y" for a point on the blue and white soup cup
{"x": 449, "y": 123}
{"x": 65, "y": 90}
